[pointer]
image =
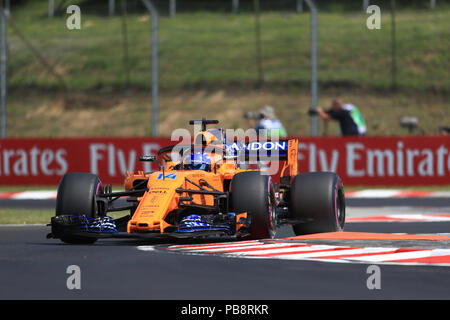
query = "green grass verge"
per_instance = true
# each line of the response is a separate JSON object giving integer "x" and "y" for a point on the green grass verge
{"x": 208, "y": 68}
{"x": 41, "y": 188}
{"x": 26, "y": 188}
{"x": 25, "y": 216}
{"x": 31, "y": 216}
{"x": 201, "y": 49}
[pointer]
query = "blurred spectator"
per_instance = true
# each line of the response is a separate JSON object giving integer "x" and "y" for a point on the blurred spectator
{"x": 252, "y": 119}
{"x": 270, "y": 123}
{"x": 350, "y": 119}
{"x": 444, "y": 131}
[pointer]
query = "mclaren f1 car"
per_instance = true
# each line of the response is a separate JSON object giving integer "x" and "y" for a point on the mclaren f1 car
{"x": 202, "y": 189}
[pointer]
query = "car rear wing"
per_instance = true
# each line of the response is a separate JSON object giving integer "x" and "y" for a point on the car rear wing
{"x": 280, "y": 150}
{"x": 263, "y": 150}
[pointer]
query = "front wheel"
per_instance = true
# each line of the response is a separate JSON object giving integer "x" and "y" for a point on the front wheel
{"x": 76, "y": 196}
{"x": 317, "y": 203}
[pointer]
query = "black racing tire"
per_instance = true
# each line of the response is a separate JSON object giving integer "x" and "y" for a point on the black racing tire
{"x": 254, "y": 193}
{"x": 76, "y": 195}
{"x": 317, "y": 199}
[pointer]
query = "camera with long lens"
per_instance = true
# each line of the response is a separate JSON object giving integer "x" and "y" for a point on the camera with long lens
{"x": 411, "y": 123}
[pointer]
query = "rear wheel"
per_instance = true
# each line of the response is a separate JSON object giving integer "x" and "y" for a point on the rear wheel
{"x": 76, "y": 196}
{"x": 254, "y": 193}
{"x": 318, "y": 201}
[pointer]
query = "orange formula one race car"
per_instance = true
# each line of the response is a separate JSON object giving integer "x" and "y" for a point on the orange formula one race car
{"x": 202, "y": 189}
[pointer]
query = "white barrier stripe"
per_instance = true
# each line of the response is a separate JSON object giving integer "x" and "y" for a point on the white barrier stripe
{"x": 210, "y": 246}
{"x": 326, "y": 253}
{"x": 214, "y": 244}
{"x": 337, "y": 253}
{"x": 218, "y": 249}
{"x": 394, "y": 256}
{"x": 440, "y": 252}
{"x": 320, "y": 254}
{"x": 228, "y": 248}
{"x": 261, "y": 253}
{"x": 263, "y": 247}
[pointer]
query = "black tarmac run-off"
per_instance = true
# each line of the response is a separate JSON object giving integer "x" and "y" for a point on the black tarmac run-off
{"x": 32, "y": 267}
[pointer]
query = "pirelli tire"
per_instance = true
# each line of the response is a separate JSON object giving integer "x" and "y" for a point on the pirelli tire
{"x": 76, "y": 195}
{"x": 317, "y": 200}
{"x": 254, "y": 193}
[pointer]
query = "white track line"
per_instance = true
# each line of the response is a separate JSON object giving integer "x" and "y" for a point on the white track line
{"x": 34, "y": 195}
{"x": 374, "y": 193}
{"x": 401, "y": 218}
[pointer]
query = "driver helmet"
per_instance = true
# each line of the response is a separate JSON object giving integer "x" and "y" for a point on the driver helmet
{"x": 200, "y": 161}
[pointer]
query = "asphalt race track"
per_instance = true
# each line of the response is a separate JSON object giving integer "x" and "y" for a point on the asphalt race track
{"x": 32, "y": 267}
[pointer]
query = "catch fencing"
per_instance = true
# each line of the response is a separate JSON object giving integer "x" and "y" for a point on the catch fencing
{"x": 211, "y": 44}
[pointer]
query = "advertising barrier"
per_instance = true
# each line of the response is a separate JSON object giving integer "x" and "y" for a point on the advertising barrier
{"x": 369, "y": 161}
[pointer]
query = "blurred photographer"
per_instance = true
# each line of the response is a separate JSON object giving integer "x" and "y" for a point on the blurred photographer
{"x": 444, "y": 131}
{"x": 266, "y": 120}
{"x": 252, "y": 119}
{"x": 350, "y": 119}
